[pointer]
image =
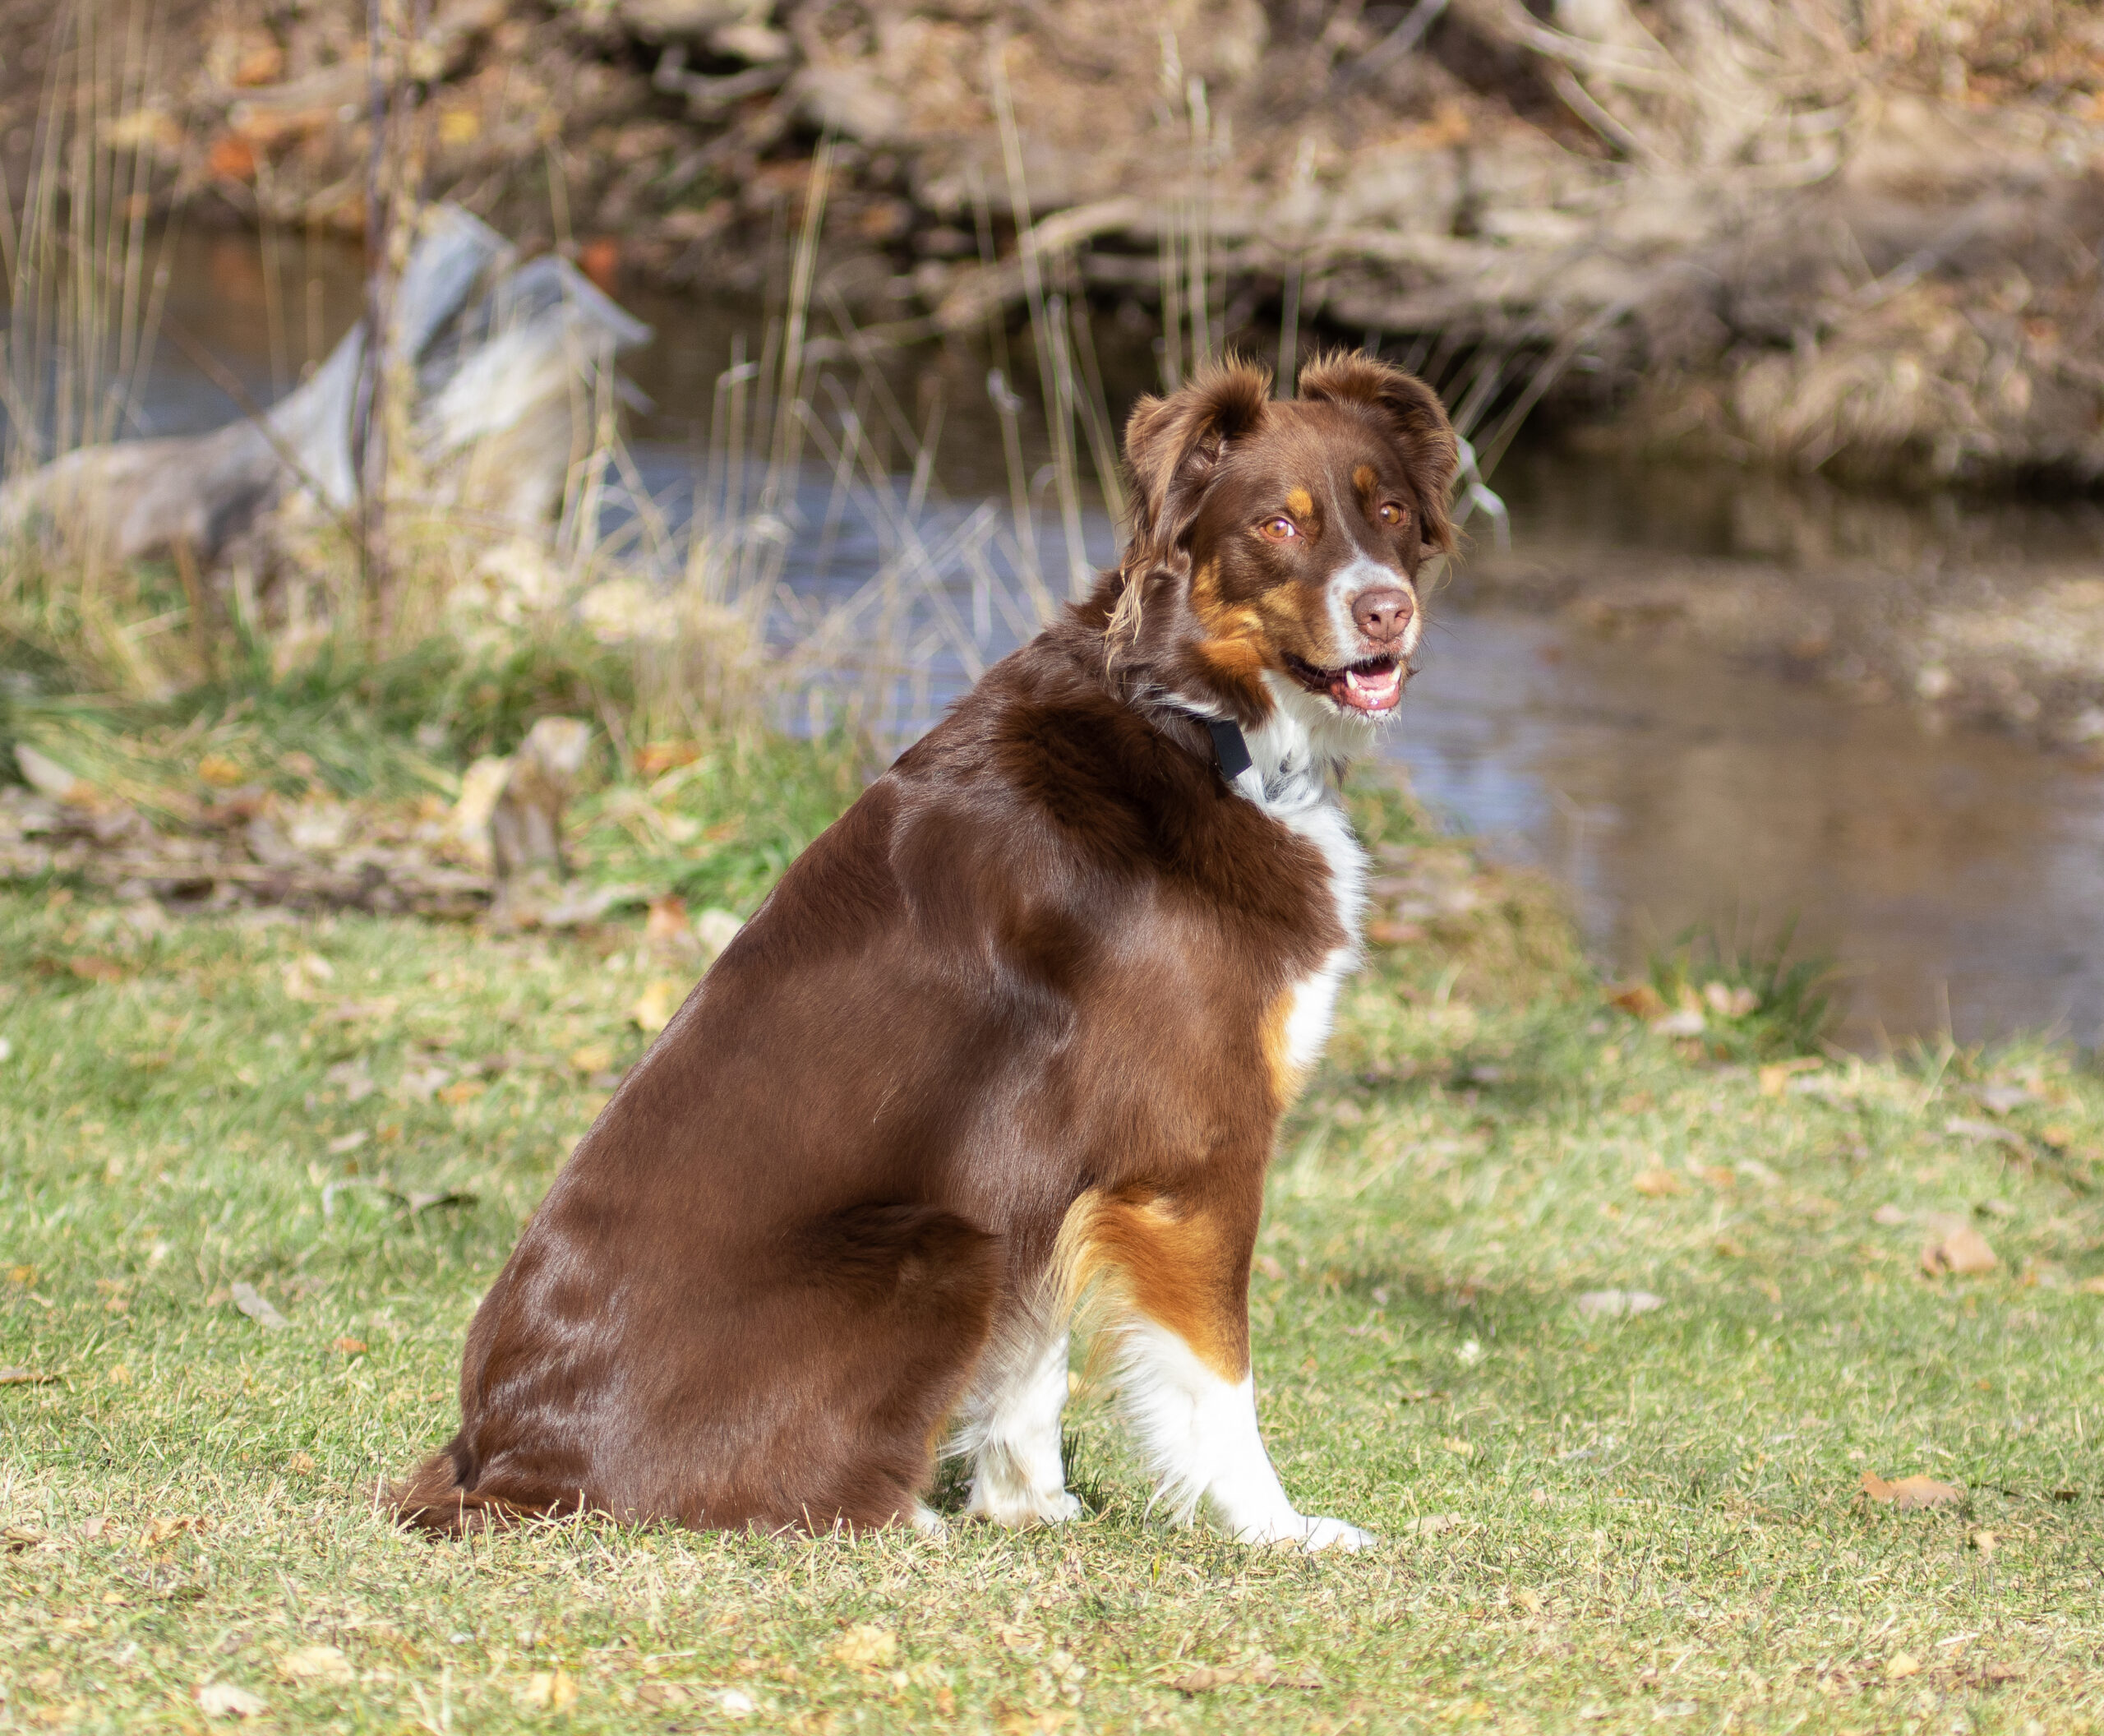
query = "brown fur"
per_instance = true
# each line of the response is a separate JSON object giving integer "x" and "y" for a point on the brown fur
{"x": 1021, "y": 1006}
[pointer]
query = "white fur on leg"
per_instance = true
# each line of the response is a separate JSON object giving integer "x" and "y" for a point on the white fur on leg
{"x": 1011, "y": 1428}
{"x": 1199, "y": 1435}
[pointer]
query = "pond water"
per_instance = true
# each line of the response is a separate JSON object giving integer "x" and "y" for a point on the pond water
{"x": 1957, "y": 877}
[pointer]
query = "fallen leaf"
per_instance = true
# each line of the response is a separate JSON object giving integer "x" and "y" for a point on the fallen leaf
{"x": 1775, "y": 1076}
{"x": 1431, "y": 1525}
{"x": 1640, "y": 999}
{"x": 550, "y": 1690}
{"x": 1901, "y": 1664}
{"x": 1986, "y": 1132}
{"x": 1999, "y": 1674}
{"x": 734, "y": 1702}
{"x": 316, "y": 1663}
{"x": 251, "y": 1303}
{"x": 343, "y": 1144}
{"x": 1983, "y": 1541}
{"x": 664, "y": 1693}
{"x": 865, "y": 1647}
{"x": 1908, "y": 1493}
{"x": 654, "y": 1007}
{"x": 223, "y": 1699}
{"x": 2092, "y": 1287}
{"x": 1260, "y": 1673}
{"x": 26, "y": 1378}
{"x": 1889, "y": 1214}
{"x": 1963, "y": 1252}
{"x": 655, "y": 758}
{"x": 46, "y": 777}
{"x": 349, "y": 1346}
{"x": 159, "y": 1531}
{"x": 461, "y": 1091}
{"x": 1658, "y": 1182}
{"x": 300, "y": 1464}
{"x": 1269, "y": 1266}
{"x": 16, "y": 1538}
{"x": 667, "y": 923}
{"x": 592, "y": 1058}
{"x": 1609, "y": 1305}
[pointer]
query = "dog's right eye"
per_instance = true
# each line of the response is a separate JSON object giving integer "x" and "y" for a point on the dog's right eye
{"x": 1280, "y": 529}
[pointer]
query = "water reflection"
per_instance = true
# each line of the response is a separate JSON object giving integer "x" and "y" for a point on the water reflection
{"x": 1958, "y": 877}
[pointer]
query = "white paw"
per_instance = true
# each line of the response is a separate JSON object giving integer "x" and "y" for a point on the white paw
{"x": 1307, "y": 1534}
{"x": 928, "y": 1521}
{"x": 1021, "y": 1508}
{"x": 1334, "y": 1533}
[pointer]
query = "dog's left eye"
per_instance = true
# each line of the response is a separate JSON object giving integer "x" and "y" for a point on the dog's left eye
{"x": 1392, "y": 514}
{"x": 1278, "y": 529}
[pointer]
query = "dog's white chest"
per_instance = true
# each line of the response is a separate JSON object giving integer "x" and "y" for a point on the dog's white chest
{"x": 1313, "y": 1000}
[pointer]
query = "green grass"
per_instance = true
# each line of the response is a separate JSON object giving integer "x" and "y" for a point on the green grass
{"x": 1591, "y": 1524}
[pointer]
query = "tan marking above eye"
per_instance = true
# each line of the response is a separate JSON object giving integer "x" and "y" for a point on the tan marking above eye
{"x": 1364, "y": 478}
{"x": 1299, "y": 500}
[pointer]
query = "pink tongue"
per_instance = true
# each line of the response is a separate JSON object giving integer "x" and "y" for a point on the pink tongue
{"x": 1375, "y": 691}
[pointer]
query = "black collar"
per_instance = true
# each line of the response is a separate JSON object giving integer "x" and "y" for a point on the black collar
{"x": 1231, "y": 751}
{"x": 1229, "y": 748}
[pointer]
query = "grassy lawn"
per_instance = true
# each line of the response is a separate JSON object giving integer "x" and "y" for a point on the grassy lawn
{"x": 1591, "y": 1522}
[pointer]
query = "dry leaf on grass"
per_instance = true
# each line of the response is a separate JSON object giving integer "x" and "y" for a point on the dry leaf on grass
{"x": 223, "y": 1699}
{"x": 1775, "y": 1077}
{"x": 316, "y": 1663}
{"x": 1432, "y": 1525}
{"x": 865, "y": 1647}
{"x": 1261, "y": 1673}
{"x": 2088, "y": 1287}
{"x": 1639, "y": 1000}
{"x": 664, "y": 1693}
{"x": 550, "y": 1690}
{"x": 1910, "y": 1491}
{"x": 1612, "y": 1304}
{"x": 1962, "y": 1251}
{"x": 1900, "y": 1665}
{"x": 592, "y": 1058}
{"x": 26, "y": 1378}
{"x": 251, "y": 1303}
{"x": 655, "y": 1006}
{"x": 1656, "y": 1183}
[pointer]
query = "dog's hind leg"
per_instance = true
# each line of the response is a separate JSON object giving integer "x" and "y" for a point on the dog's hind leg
{"x": 1175, "y": 1277}
{"x": 1011, "y": 1429}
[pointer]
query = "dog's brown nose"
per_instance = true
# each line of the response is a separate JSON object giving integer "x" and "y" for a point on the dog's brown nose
{"x": 1383, "y": 613}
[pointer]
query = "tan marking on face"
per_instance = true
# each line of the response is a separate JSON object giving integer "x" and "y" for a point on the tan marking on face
{"x": 1362, "y": 479}
{"x": 1300, "y": 503}
{"x": 1138, "y": 1252}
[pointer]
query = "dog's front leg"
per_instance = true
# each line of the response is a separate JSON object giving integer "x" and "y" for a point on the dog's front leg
{"x": 1177, "y": 1272}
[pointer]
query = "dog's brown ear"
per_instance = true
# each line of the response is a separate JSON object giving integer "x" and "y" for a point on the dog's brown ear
{"x": 1173, "y": 445}
{"x": 1416, "y": 420}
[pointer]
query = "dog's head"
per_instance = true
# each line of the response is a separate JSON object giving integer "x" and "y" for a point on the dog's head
{"x": 1276, "y": 546}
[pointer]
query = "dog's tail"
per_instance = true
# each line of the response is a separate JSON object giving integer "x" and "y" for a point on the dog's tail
{"x": 434, "y": 1499}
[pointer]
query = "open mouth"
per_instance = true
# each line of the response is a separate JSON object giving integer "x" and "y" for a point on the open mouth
{"x": 1373, "y": 685}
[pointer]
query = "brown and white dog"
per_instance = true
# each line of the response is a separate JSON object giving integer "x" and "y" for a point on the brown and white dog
{"x": 1020, "y": 1025}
